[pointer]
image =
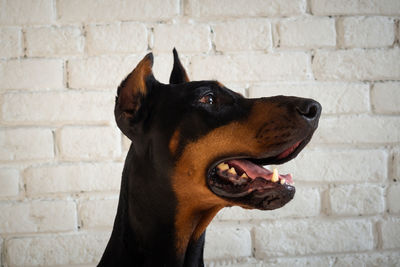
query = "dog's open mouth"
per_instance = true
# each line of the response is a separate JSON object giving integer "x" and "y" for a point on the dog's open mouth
{"x": 246, "y": 181}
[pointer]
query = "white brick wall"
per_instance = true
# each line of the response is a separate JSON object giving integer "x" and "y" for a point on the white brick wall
{"x": 72, "y": 178}
{"x": 252, "y": 67}
{"x": 10, "y": 42}
{"x": 26, "y": 144}
{"x": 356, "y": 200}
{"x": 386, "y": 98}
{"x": 31, "y": 74}
{"x": 391, "y": 233}
{"x": 38, "y": 216}
{"x": 243, "y": 8}
{"x": 360, "y": 7}
{"x": 9, "y": 182}
{"x": 103, "y": 72}
{"x": 96, "y": 142}
{"x": 66, "y": 249}
{"x": 368, "y": 259}
{"x": 57, "y": 107}
{"x": 61, "y": 155}
{"x": 357, "y": 64}
{"x": 54, "y": 41}
{"x": 97, "y": 213}
{"x": 21, "y": 12}
{"x": 312, "y": 237}
{"x": 115, "y": 10}
{"x": 227, "y": 241}
{"x": 394, "y": 199}
{"x": 121, "y": 37}
{"x": 366, "y": 32}
{"x": 185, "y": 37}
{"x": 297, "y": 32}
{"x": 242, "y": 35}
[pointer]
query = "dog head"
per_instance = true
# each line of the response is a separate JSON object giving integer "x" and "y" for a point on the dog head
{"x": 209, "y": 143}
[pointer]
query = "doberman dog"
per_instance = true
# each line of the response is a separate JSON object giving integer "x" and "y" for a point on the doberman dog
{"x": 197, "y": 147}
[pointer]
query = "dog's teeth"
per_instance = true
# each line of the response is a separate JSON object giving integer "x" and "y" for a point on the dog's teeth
{"x": 244, "y": 175}
{"x": 283, "y": 181}
{"x": 232, "y": 171}
{"x": 275, "y": 176}
{"x": 223, "y": 166}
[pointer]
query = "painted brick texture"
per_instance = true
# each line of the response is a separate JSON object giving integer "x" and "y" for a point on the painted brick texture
{"x": 61, "y": 154}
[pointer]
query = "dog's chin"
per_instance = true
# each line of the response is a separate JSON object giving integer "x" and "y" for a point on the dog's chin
{"x": 257, "y": 193}
{"x": 243, "y": 181}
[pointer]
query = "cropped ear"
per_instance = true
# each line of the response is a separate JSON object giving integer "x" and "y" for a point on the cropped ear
{"x": 131, "y": 94}
{"x": 178, "y": 74}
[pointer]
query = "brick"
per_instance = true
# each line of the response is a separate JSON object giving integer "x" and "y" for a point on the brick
{"x": 385, "y": 98}
{"x": 335, "y": 97}
{"x": 10, "y": 42}
{"x": 122, "y": 37}
{"x": 395, "y": 164}
{"x": 312, "y": 237}
{"x": 30, "y": 73}
{"x": 243, "y": 34}
{"x": 103, "y": 72}
{"x": 9, "y": 182}
{"x": 393, "y": 198}
{"x": 368, "y": 259}
{"x": 356, "y": 64}
{"x": 336, "y": 165}
{"x": 309, "y": 261}
{"x": 306, "y": 203}
{"x": 356, "y": 199}
{"x": 225, "y": 242}
{"x": 296, "y": 32}
{"x": 360, "y": 129}
{"x": 242, "y": 262}
{"x": 26, "y": 144}
{"x": 56, "y": 107}
{"x": 363, "y": 7}
{"x": 366, "y": 32}
{"x": 73, "y": 178}
{"x": 37, "y": 216}
{"x": 391, "y": 233}
{"x": 239, "y": 8}
{"x": 56, "y": 250}
{"x": 97, "y": 213}
{"x": 116, "y": 10}
{"x": 54, "y": 41}
{"x": 398, "y": 32}
{"x": 252, "y": 67}
{"x": 89, "y": 142}
{"x": 184, "y": 37}
{"x": 18, "y": 12}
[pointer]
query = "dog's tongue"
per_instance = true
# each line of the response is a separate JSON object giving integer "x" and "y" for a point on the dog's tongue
{"x": 253, "y": 170}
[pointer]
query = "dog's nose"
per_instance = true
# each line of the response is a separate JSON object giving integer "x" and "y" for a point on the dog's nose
{"x": 309, "y": 109}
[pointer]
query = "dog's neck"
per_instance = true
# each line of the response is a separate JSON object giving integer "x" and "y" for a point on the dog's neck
{"x": 148, "y": 229}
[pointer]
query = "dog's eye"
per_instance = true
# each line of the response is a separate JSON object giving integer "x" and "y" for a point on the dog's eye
{"x": 207, "y": 99}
